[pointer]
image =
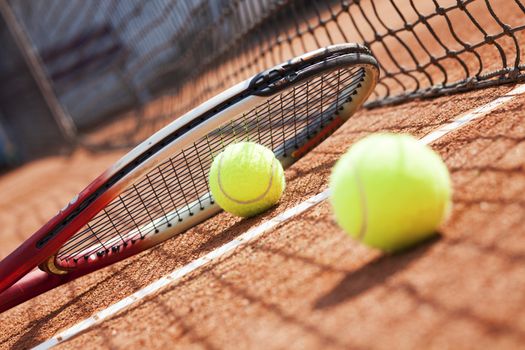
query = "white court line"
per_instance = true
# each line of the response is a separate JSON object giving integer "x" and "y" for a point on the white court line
{"x": 256, "y": 232}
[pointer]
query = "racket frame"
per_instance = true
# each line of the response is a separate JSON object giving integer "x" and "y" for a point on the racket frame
{"x": 40, "y": 248}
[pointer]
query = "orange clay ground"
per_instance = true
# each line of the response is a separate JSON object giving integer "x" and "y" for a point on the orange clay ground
{"x": 306, "y": 284}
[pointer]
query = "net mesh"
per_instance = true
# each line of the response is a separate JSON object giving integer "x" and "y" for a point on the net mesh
{"x": 124, "y": 68}
{"x": 178, "y": 187}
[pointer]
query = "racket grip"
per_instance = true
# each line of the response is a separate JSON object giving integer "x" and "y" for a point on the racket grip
{"x": 34, "y": 283}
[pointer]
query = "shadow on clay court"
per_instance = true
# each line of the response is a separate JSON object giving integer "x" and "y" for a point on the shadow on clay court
{"x": 489, "y": 325}
{"x": 372, "y": 274}
{"x": 224, "y": 234}
{"x": 277, "y": 310}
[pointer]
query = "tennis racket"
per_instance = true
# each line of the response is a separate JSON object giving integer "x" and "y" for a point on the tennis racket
{"x": 160, "y": 189}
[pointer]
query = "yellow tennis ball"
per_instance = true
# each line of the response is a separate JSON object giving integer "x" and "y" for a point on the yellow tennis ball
{"x": 390, "y": 191}
{"x": 246, "y": 179}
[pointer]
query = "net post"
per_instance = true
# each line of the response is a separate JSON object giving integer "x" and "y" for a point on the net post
{"x": 64, "y": 121}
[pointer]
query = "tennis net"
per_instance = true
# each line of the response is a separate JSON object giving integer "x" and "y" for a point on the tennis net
{"x": 124, "y": 68}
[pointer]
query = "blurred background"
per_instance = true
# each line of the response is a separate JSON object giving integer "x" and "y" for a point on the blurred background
{"x": 106, "y": 74}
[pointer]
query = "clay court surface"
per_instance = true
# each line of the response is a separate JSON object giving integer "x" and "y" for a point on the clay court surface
{"x": 306, "y": 284}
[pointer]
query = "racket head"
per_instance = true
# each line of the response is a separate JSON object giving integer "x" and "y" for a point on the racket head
{"x": 160, "y": 188}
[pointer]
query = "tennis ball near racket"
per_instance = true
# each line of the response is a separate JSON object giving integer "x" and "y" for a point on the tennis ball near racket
{"x": 390, "y": 191}
{"x": 246, "y": 179}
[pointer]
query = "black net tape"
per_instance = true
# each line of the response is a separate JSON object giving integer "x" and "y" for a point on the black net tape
{"x": 125, "y": 68}
{"x": 178, "y": 188}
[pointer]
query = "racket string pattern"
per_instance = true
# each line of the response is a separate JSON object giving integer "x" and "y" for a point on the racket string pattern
{"x": 178, "y": 187}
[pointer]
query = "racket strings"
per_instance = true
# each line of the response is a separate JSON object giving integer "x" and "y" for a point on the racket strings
{"x": 178, "y": 188}
{"x": 144, "y": 203}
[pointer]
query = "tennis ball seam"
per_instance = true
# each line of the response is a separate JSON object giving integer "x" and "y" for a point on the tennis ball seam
{"x": 238, "y": 201}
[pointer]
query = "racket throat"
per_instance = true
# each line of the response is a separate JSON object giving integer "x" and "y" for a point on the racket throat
{"x": 50, "y": 266}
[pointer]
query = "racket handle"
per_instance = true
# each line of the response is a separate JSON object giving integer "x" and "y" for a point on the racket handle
{"x": 37, "y": 281}
{"x": 34, "y": 283}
